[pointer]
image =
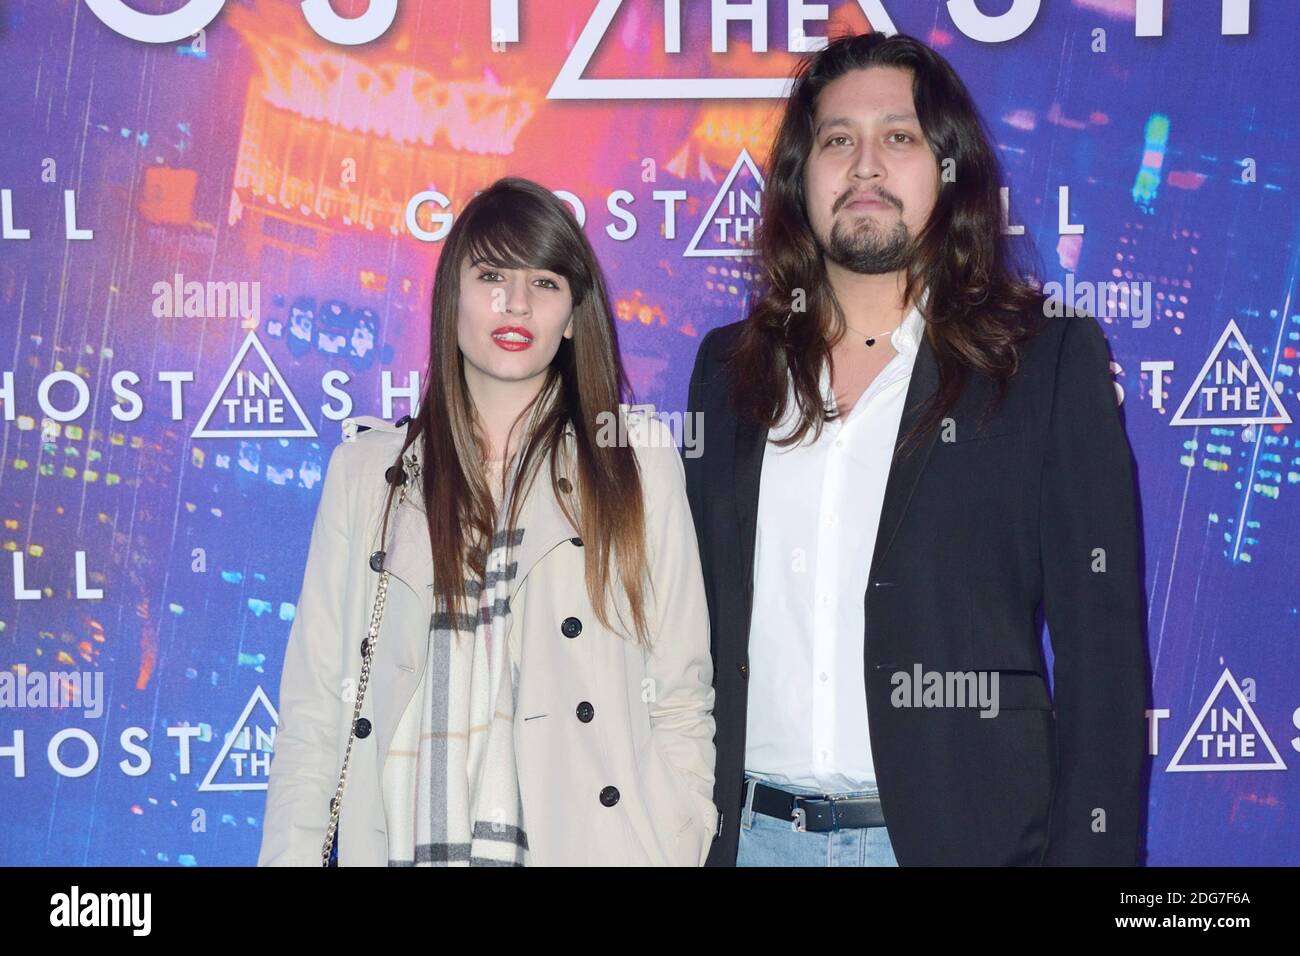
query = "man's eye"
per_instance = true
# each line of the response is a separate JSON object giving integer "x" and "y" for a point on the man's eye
{"x": 906, "y": 136}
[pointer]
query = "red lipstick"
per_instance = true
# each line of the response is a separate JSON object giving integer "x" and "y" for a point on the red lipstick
{"x": 512, "y": 338}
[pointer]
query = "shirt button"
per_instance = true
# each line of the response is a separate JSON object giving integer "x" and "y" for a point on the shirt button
{"x": 363, "y": 728}
{"x": 839, "y": 443}
{"x": 822, "y": 675}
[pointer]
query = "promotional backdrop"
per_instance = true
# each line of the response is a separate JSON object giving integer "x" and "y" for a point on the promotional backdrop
{"x": 218, "y": 228}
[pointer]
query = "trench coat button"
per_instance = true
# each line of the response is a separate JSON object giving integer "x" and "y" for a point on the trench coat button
{"x": 577, "y": 541}
{"x": 365, "y": 645}
{"x": 363, "y": 728}
{"x": 586, "y": 712}
{"x": 565, "y": 485}
{"x": 609, "y": 796}
{"x": 571, "y": 627}
{"x": 744, "y": 670}
{"x": 377, "y": 561}
{"x": 395, "y": 475}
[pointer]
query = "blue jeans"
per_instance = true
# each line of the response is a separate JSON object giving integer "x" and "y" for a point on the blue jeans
{"x": 767, "y": 841}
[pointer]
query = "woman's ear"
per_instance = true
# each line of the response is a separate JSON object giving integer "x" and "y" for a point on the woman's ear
{"x": 568, "y": 329}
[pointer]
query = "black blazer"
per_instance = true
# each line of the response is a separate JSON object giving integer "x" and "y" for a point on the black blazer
{"x": 1037, "y": 508}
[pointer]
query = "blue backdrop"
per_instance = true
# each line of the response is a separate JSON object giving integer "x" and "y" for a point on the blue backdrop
{"x": 217, "y": 245}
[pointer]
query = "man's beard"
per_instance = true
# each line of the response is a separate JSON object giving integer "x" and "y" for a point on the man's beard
{"x": 865, "y": 251}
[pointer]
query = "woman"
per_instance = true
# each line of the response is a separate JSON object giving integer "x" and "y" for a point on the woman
{"x": 535, "y": 686}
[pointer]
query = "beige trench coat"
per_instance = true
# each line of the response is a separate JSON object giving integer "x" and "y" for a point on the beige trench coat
{"x": 651, "y": 736}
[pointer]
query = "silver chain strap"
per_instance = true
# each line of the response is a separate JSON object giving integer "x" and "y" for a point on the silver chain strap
{"x": 376, "y": 616}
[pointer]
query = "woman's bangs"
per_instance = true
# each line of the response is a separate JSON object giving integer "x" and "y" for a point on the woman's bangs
{"x": 506, "y": 243}
{"x": 497, "y": 244}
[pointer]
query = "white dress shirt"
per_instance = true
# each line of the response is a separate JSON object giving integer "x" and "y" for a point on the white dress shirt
{"x": 818, "y": 513}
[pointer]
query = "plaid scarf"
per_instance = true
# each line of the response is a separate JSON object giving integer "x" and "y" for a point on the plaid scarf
{"x": 450, "y": 787}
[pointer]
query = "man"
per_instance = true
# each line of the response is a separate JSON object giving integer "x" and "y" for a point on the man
{"x": 904, "y": 458}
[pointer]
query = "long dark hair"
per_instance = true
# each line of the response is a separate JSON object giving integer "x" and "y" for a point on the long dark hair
{"x": 517, "y": 224}
{"x": 978, "y": 296}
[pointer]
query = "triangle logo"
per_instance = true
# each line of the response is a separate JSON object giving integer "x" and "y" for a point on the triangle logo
{"x": 248, "y": 748}
{"x": 1230, "y": 390}
{"x": 1225, "y": 736}
{"x": 254, "y": 403}
{"x": 570, "y": 85}
{"x": 732, "y": 217}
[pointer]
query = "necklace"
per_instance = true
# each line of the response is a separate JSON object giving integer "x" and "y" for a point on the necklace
{"x": 871, "y": 339}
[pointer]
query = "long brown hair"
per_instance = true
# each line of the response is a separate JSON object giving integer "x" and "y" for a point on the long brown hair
{"x": 517, "y": 224}
{"x": 978, "y": 296}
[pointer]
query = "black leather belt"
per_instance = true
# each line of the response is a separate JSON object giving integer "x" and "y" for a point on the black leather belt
{"x": 817, "y": 814}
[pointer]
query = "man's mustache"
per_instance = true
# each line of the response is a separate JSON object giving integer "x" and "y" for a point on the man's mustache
{"x": 854, "y": 194}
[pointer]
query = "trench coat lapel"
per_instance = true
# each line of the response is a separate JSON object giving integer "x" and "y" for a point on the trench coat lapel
{"x": 542, "y": 518}
{"x": 410, "y": 552}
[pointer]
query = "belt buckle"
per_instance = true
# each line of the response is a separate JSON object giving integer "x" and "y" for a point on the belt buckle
{"x": 800, "y": 816}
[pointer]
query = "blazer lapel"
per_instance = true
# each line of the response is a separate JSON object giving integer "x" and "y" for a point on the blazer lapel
{"x": 751, "y": 439}
{"x": 905, "y": 471}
